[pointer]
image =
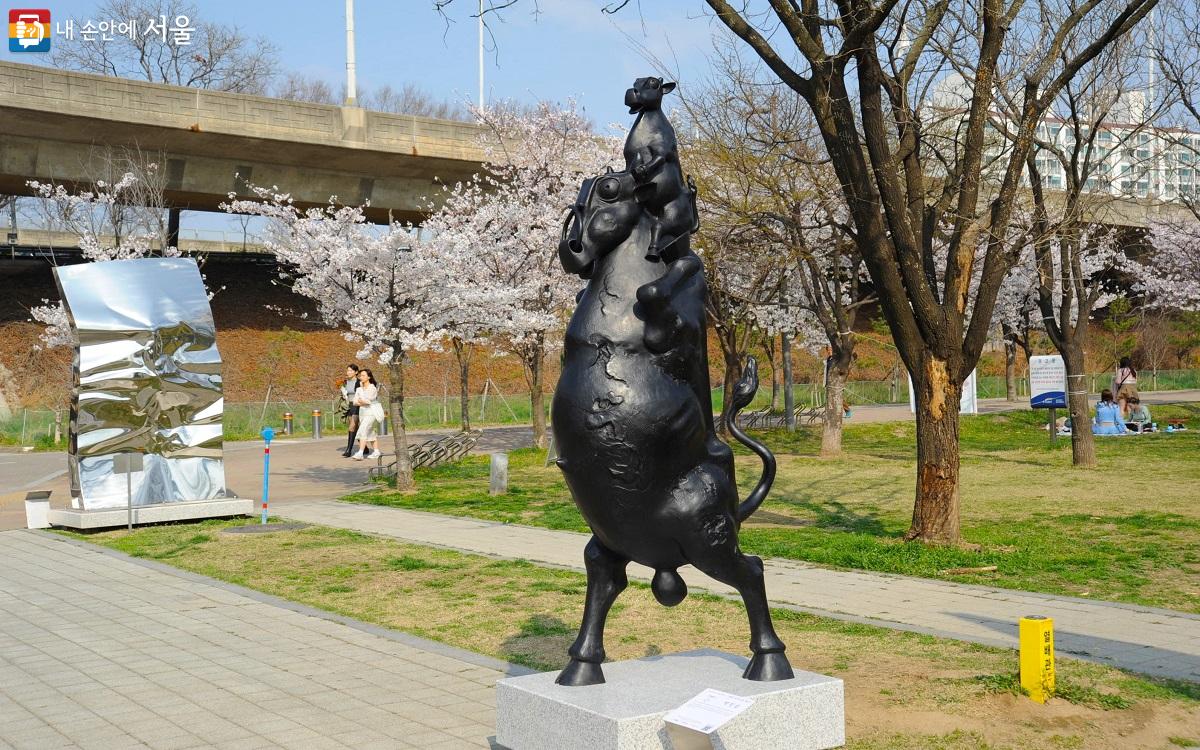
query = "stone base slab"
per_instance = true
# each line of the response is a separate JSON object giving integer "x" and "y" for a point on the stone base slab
{"x": 806, "y": 712}
{"x": 73, "y": 518}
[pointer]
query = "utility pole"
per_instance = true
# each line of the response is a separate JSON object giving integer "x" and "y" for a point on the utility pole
{"x": 480, "y": 55}
{"x": 351, "y": 84}
{"x": 789, "y": 402}
{"x": 12, "y": 220}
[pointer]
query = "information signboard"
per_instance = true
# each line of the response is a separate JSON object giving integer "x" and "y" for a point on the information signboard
{"x": 1047, "y": 382}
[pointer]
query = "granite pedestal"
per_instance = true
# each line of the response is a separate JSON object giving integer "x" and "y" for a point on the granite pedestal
{"x": 806, "y": 712}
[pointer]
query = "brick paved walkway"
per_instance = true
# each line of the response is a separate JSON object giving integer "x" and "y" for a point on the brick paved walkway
{"x": 1152, "y": 641}
{"x": 98, "y": 650}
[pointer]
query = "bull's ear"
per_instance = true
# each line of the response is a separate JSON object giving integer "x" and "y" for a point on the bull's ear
{"x": 645, "y": 192}
{"x": 608, "y": 169}
{"x": 668, "y": 87}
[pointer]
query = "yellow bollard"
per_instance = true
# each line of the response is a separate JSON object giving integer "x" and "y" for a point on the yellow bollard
{"x": 1037, "y": 657}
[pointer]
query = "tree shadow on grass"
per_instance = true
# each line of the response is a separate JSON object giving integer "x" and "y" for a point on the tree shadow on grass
{"x": 540, "y": 642}
{"x": 831, "y": 513}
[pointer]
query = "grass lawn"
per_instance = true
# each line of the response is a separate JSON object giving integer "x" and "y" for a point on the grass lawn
{"x": 903, "y": 691}
{"x": 1127, "y": 531}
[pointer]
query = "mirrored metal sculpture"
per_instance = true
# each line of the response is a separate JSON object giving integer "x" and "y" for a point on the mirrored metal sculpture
{"x": 147, "y": 381}
{"x": 632, "y": 413}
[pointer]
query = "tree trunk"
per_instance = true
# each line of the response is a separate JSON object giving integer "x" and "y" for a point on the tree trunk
{"x": 774, "y": 385}
{"x": 936, "y": 510}
{"x": 532, "y": 353}
{"x": 789, "y": 405}
{"x": 1083, "y": 443}
{"x": 733, "y": 370}
{"x": 537, "y": 401}
{"x": 835, "y": 395}
{"x": 173, "y": 226}
{"x": 463, "y": 351}
{"x": 404, "y": 470}
{"x": 1010, "y": 369}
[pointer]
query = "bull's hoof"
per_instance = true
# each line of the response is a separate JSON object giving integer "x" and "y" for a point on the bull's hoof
{"x": 580, "y": 673}
{"x": 768, "y": 667}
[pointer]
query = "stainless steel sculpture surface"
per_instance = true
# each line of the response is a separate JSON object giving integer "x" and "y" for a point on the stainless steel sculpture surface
{"x": 147, "y": 382}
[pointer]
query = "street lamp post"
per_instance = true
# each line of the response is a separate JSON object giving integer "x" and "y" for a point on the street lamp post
{"x": 351, "y": 84}
{"x": 480, "y": 55}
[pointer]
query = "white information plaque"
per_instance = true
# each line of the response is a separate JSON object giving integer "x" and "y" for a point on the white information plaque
{"x": 709, "y": 711}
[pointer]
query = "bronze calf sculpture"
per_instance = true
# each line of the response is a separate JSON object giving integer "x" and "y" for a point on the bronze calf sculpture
{"x": 633, "y": 422}
{"x": 652, "y": 156}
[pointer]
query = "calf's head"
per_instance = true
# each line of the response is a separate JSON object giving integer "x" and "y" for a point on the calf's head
{"x": 647, "y": 94}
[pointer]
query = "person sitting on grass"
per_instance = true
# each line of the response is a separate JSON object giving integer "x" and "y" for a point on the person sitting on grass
{"x": 1139, "y": 414}
{"x": 1108, "y": 416}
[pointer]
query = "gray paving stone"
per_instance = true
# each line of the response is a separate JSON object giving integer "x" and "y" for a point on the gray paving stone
{"x": 246, "y": 743}
{"x": 109, "y": 652}
{"x": 43, "y": 736}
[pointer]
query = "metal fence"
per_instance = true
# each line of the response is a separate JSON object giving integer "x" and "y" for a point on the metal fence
{"x": 38, "y": 427}
{"x": 244, "y": 420}
{"x": 895, "y": 391}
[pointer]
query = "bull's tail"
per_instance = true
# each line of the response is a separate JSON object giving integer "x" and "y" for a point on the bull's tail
{"x": 743, "y": 394}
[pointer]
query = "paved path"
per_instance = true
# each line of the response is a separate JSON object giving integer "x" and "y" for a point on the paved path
{"x": 301, "y": 470}
{"x": 1143, "y": 639}
{"x": 98, "y": 650}
{"x": 26, "y": 471}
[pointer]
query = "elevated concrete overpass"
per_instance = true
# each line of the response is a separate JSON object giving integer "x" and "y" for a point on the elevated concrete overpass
{"x": 38, "y": 243}
{"x": 214, "y": 142}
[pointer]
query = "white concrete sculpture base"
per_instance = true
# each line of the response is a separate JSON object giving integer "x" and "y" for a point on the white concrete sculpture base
{"x": 73, "y": 518}
{"x": 626, "y": 713}
{"x": 37, "y": 510}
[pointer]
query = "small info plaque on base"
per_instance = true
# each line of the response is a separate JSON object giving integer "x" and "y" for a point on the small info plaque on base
{"x": 629, "y": 711}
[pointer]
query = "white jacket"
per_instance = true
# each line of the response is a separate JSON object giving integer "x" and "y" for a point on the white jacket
{"x": 367, "y": 397}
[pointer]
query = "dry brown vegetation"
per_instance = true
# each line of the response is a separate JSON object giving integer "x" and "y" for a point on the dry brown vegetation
{"x": 265, "y": 333}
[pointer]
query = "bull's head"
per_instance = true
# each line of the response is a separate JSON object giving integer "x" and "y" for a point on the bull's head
{"x": 599, "y": 220}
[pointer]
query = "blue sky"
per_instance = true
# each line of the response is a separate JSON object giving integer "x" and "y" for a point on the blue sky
{"x": 569, "y": 49}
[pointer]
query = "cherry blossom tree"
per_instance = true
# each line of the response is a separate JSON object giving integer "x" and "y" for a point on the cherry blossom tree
{"x": 765, "y": 181}
{"x": 1018, "y": 316}
{"x": 1175, "y": 262}
{"x": 384, "y": 285}
{"x": 504, "y": 228}
{"x": 118, "y": 218}
{"x": 1058, "y": 230}
{"x": 743, "y": 282}
{"x": 1074, "y": 262}
{"x": 475, "y": 307}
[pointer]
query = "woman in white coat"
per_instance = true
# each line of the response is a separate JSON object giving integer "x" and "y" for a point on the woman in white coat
{"x": 370, "y": 414}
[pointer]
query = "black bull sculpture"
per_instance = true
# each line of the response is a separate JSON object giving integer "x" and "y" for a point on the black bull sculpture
{"x": 632, "y": 413}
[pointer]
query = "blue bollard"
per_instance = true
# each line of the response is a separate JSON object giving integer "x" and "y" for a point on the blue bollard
{"x": 268, "y": 435}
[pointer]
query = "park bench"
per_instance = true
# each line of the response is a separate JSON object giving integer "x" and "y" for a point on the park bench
{"x": 804, "y": 415}
{"x": 810, "y": 415}
{"x": 751, "y": 419}
{"x": 765, "y": 418}
{"x": 432, "y": 452}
